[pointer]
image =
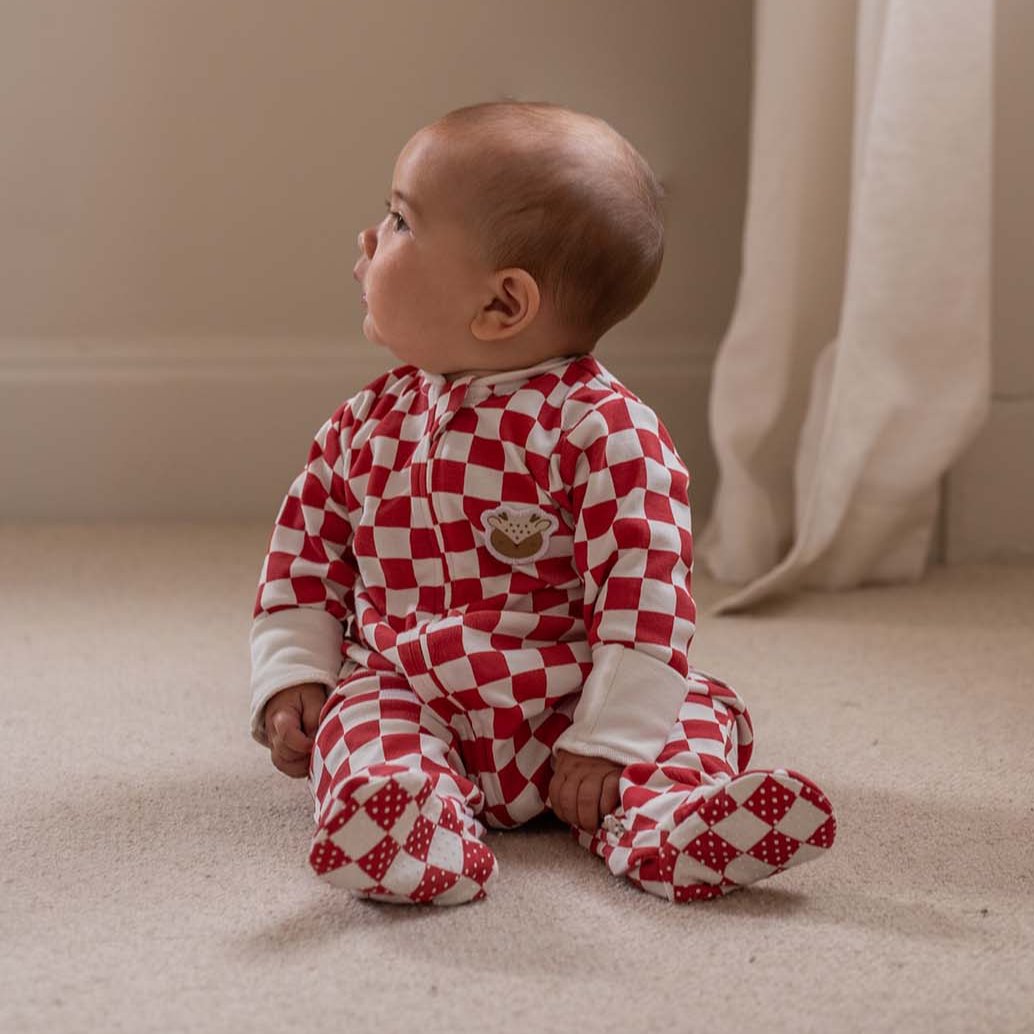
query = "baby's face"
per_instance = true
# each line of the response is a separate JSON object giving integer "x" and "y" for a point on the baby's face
{"x": 422, "y": 278}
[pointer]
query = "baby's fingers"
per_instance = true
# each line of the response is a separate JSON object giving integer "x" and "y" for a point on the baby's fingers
{"x": 587, "y": 804}
{"x": 610, "y": 796}
{"x": 295, "y": 769}
{"x": 287, "y": 736}
{"x": 312, "y": 707}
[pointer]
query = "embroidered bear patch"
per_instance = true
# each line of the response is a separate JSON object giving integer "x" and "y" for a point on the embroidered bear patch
{"x": 518, "y": 536}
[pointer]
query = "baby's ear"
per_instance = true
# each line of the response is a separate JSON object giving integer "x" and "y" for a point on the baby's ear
{"x": 513, "y": 302}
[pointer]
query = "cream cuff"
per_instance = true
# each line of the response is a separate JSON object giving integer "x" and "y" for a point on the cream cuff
{"x": 629, "y": 704}
{"x": 289, "y": 647}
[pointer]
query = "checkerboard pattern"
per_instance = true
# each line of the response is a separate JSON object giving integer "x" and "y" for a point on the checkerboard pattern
{"x": 697, "y": 824}
{"x": 391, "y": 838}
{"x": 496, "y": 766}
{"x": 482, "y": 538}
{"x": 730, "y": 832}
{"x": 400, "y": 795}
{"x": 476, "y": 540}
{"x": 754, "y": 826}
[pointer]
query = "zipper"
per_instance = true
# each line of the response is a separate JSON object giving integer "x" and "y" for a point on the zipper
{"x": 437, "y": 426}
{"x": 435, "y": 527}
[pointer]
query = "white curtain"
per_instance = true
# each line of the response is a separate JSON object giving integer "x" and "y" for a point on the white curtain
{"x": 857, "y": 363}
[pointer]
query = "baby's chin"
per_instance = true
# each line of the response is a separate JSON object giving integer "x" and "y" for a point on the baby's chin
{"x": 370, "y": 334}
{"x": 376, "y": 339}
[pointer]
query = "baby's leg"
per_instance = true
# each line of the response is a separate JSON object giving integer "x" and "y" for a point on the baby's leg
{"x": 395, "y": 811}
{"x": 695, "y": 824}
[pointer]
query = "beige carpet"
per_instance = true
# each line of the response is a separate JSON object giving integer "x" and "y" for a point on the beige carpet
{"x": 154, "y": 871}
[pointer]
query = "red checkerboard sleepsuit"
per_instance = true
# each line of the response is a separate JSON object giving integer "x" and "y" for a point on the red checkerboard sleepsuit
{"x": 483, "y": 572}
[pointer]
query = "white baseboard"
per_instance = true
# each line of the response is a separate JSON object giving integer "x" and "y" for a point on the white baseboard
{"x": 195, "y": 429}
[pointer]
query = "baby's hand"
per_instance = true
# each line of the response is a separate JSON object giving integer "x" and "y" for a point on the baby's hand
{"x": 291, "y": 719}
{"x": 583, "y": 790}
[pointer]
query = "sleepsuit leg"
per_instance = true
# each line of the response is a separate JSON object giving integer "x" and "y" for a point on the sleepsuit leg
{"x": 696, "y": 824}
{"x": 394, "y": 808}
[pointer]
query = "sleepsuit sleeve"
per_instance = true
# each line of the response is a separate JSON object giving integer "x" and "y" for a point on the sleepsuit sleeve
{"x": 628, "y": 493}
{"x": 305, "y": 594}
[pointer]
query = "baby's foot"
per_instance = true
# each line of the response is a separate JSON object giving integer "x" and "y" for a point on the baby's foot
{"x": 391, "y": 838}
{"x": 746, "y": 829}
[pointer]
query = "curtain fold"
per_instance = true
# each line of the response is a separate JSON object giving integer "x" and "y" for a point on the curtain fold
{"x": 856, "y": 366}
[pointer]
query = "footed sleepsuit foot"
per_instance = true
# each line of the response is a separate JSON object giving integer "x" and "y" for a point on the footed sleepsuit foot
{"x": 735, "y": 833}
{"x": 391, "y": 838}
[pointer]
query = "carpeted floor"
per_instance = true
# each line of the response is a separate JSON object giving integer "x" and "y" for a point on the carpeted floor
{"x": 154, "y": 863}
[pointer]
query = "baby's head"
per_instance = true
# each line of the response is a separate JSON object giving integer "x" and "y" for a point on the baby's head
{"x": 516, "y": 232}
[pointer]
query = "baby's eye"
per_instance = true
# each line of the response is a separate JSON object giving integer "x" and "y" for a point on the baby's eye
{"x": 397, "y": 218}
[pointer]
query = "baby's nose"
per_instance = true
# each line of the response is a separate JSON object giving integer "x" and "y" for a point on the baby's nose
{"x": 368, "y": 241}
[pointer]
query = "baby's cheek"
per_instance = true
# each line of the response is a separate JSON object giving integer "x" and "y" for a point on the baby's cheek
{"x": 443, "y": 311}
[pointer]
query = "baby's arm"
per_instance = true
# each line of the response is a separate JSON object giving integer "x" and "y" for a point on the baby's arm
{"x": 305, "y": 593}
{"x": 633, "y": 549}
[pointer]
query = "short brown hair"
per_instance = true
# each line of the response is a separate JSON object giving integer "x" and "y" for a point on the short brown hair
{"x": 564, "y": 196}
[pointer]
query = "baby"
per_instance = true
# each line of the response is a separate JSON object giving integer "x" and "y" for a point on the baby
{"x": 476, "y": 601}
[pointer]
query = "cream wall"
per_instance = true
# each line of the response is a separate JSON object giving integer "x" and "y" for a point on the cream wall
{"x": 990, "y": 499}
{"x": 182, "y": 183}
